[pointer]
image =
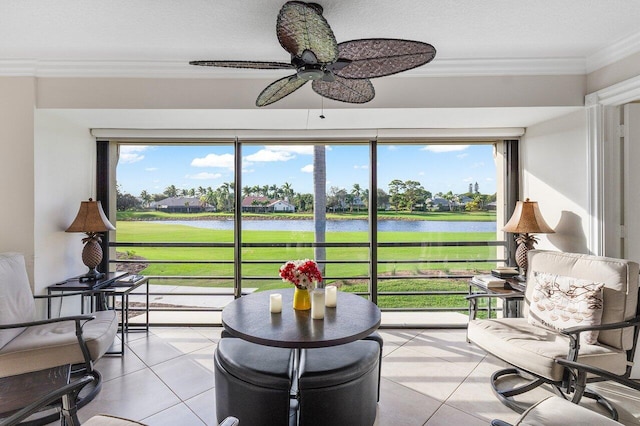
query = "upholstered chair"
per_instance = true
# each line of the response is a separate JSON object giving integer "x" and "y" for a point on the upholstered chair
{"x": 28, "y": 344}
{"x": 578, "y": 308}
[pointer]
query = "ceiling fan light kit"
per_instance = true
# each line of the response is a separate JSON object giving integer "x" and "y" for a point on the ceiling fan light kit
{"x": 338, "y": 71}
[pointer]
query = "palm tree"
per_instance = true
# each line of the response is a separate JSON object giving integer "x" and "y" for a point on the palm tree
{"x": 356, "y": 191}
{"x": 171, "y": 191}
{"x": 320, "y": 203}
{"x": 146, "y": 198}
{"x": 287, "y": 190}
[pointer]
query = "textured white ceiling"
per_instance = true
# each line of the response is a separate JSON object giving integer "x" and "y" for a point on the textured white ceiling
{"x": 166, "y": 30}
{"x": 149, "y": 38}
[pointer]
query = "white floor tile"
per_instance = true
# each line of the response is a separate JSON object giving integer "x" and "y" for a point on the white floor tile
{"x": 430, "y": 377}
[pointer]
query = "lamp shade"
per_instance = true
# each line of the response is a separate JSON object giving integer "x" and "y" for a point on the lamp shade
{"x": 90, "y": 219}
{"x": 527, "y": 219}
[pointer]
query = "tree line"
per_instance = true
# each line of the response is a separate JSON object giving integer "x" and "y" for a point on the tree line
{"x": 406, "y": 195}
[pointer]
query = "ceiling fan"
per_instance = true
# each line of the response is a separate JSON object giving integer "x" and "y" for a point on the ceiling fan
{"x": 338, "y": 71}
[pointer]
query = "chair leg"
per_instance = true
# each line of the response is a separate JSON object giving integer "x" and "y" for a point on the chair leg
{"x": 90, "y": 391}
{"x": 580, "y": 389}
{"x": 505, "y": 396}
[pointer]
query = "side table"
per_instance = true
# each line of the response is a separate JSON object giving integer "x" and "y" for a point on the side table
{"x": 123, "y": 288}
{"x": 102, "y": 294}
{"x": 512, "y": 295}
{"x": 23, "y": 389}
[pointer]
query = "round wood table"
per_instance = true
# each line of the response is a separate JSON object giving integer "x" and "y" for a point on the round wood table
{"x": 249, "y": 318}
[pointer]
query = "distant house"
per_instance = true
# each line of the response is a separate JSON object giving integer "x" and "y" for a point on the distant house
{"x": 442, "y": 204}
{"x": 180, "y": 205}
{"x": 266, "y": 205}
{"x": 464, "y": 200}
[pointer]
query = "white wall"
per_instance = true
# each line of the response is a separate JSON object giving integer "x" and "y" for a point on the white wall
{"x": 555, "y": 174}
{"x": 65, "y": 157}
{"x": 17, "y": 104}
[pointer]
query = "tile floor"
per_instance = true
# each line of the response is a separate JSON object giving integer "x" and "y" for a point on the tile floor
{"x": 429, "y": 377}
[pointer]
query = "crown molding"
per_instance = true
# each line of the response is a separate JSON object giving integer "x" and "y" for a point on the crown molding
{"x": 620, "y": 93}
{"x": 181, "y": 69}
{"x": 614, "y": 52}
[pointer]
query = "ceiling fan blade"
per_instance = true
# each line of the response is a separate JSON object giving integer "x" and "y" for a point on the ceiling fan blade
{"x": 302, "y": 27}
{"x": 378, "y": 57}
{"x": 338, "y": 65}
{"x": 345, "y": 90}
{"x": 279, "y": 89}
{"x": 244, "y": 64}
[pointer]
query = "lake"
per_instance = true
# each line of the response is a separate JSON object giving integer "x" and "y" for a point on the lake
{"x": 355, "y": 225}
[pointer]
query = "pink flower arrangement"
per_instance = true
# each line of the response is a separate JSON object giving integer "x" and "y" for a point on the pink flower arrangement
{"x": 301, "y": 273}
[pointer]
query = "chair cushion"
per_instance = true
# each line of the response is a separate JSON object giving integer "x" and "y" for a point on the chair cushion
{"x": 49, "y": 345}
{"x": 534, "y": 348}
{"x": 561, "y": 302}
{"x": 620, "y": 293}
{"x": 16, "y": 299}
{"x": 555, "y": 411}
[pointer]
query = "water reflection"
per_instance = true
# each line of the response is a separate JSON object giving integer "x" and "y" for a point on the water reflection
{"x": 355, "y": 225}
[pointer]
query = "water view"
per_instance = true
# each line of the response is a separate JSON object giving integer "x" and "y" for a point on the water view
{"x": 355, "y": 225}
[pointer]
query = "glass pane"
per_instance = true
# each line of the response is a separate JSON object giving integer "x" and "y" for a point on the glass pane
{"x": 174, "y": 203}
{"x": 436, "y": 222}
{"x": 278, "y": 221}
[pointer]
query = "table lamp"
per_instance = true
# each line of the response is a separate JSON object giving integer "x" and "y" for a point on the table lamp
{"x": 526, "y": 220}
{"x": 92, "y": 221}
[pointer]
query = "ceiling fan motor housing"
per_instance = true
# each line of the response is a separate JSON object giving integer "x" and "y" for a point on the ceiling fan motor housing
{"x": 310, "y": 72}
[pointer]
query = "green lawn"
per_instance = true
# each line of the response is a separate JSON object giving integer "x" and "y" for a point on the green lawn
{"x": 350, "y": 275}
{"x": 382, "y": 215}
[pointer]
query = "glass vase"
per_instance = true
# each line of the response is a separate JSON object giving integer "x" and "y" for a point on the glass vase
{"x": 301, "y": 299}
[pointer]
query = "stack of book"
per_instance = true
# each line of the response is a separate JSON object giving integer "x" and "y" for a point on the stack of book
{"x": 489, "y": 281}
{"x": 505, "y": 272}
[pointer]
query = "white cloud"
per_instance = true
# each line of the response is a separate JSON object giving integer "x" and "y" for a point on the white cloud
{"x": 469, "y": 179}
{"x": 477, "y": 165}
{"x": 420, "y": 173}
{"x": 489, "y": 179}
{"x": 150, "y": 169}
{"x": 444, "y": 148}
{"x": 273, "y": 153}
{"x": 214, "y": 160}
{"x": 296, "y": 149}
{"x": 463, "y": 155}
{"x": 364, "y": 167}
{"x": 268, "y": 155}
{"x": 392, "y": 148}
{"x": 204, "y": 175}
{"x": 307, "y": 169}
{"x": 131, "y": 153}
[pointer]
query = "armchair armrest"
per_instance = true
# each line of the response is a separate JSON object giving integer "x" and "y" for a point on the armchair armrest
{"x": 80, "y": 321}
{"x": 76, "y": 318}
{"x": 610, "y": 326}
{"x": 584, "y": 369}
{"x": 574, "y": 333}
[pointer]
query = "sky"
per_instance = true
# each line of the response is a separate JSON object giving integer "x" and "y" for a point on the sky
{"x": 438, "y": 168}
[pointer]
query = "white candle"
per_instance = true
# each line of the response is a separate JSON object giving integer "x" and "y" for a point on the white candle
{"x": 275, "y": 303}
{"x": 331, "y": 296}
{"x": 317, "y": 304}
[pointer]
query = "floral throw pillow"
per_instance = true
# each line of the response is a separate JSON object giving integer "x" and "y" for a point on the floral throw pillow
{"x": 560, "y": 302}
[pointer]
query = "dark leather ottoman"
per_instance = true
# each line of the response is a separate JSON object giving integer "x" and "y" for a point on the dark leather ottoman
{"x": 338, "y": 386}
{"x": 252, "y": 382}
